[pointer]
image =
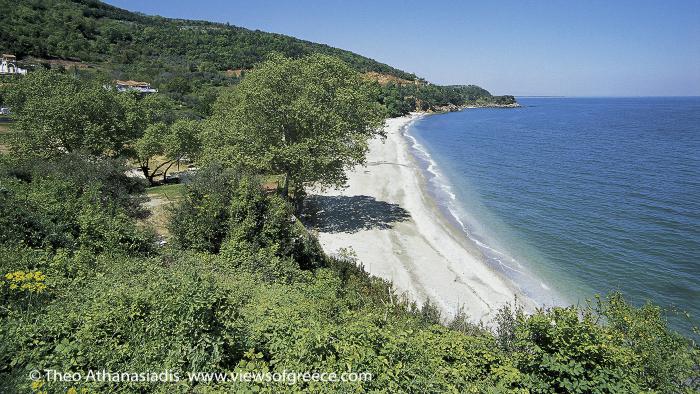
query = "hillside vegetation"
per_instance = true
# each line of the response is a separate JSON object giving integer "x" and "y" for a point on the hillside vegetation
{"x": 93, "y": 31}
{"x": 187, "y": 60}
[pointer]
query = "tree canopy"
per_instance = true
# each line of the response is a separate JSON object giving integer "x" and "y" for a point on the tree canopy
{"x": 171, "y": 143}
{"x": 308, "y": 119}
{"x": 56, "y": 113}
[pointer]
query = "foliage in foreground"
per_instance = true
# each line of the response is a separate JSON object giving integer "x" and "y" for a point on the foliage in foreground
{"x": 269, "y": 300}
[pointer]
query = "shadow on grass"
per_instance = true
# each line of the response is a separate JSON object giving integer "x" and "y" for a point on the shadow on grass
{"x": 349, "y": 214}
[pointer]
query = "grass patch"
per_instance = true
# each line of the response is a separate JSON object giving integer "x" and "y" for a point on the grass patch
{"x": 271, "y": 182}
{"x": 170, "y": 193}
{"x": 4, "y": 134}
{"x": 160, "y": 197}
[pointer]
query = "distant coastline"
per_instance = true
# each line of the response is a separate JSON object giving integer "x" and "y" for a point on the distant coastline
{"x": 457, "y": 108}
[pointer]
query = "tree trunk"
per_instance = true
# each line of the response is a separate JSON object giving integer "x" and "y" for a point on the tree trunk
{"x": 146, "y": 174}
{"x": 165, "y": 173}
{"x": 298, "y": 200}
{"x": 285, "y": 186}
{"x": 152, "y": 175}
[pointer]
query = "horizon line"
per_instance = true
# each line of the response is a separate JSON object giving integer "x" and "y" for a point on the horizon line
{"x": 601, "y": 96}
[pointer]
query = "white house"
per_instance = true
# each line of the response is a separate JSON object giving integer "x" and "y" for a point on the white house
{"x": 8, "y": 65}
{"x": 141, "y": 87}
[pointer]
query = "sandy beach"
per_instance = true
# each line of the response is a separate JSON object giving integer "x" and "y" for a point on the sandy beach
{"x": 397, "y": 232}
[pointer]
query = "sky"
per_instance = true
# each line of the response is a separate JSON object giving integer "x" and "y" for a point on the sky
{"x": 553, "y": 47}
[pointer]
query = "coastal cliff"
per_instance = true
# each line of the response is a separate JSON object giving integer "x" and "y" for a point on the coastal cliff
{"x": 455, "y": 108}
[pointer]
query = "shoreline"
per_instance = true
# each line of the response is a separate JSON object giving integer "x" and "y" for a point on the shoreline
{"x": 387, "y": 216}
{"x": 456, "y": 108}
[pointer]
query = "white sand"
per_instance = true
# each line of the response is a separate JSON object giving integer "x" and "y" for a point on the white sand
{"x": 422, "y": 254}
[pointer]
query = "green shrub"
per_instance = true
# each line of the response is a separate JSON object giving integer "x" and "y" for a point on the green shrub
{"x": 610, "y": 347}
{"x": 101, "y": 231}
{"x": 664, "y": 357}
{"x": 227, "y": 211}
{"x": 200, "y": 221}
{"x": 249, "y": 289}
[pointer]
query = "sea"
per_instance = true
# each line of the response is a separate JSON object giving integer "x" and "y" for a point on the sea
{"x": 573, "y": 197}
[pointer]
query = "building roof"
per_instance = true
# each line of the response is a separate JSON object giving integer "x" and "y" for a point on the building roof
{"x": 133, "y": 83}
{"x": 7, "y": 55}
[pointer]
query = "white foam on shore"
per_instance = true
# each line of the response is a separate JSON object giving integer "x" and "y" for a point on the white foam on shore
{"x": 424, "y": 255}
{"x": 500, "y": 260}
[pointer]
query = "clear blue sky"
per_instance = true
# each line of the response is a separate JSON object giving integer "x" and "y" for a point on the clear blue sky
{"x": 572, "y": 48}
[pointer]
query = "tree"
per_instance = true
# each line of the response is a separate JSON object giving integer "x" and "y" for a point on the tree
{"x": 396, "y": 100}
{"x": 56, "y": 113}
{"x": 181, "y": 142}
{"x": 148, "y": 147}
{"x": 173, "y": 143}
{"x": 306, "y": 119}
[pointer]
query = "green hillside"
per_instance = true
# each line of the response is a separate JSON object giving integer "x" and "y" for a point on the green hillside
{"x": 187, "y": 60}
{"x": 93, "y": 31}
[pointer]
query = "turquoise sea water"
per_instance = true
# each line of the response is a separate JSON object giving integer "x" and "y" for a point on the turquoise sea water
{"x": 570, "y": 197}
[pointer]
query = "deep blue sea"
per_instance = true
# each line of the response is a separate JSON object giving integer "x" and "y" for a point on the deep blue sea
{"x": 571, "y": 197}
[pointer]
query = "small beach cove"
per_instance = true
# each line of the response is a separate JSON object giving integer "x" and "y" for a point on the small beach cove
{"x": 387, "y": 217}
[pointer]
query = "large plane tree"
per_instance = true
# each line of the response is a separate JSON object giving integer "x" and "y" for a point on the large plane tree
{"x": 306, "y": 120}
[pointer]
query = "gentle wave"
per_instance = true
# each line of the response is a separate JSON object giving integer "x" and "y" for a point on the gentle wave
{"x": 445, "y": 197}
{"x": 580, "y": 196}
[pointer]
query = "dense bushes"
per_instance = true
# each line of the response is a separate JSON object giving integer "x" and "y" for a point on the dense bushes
{"x": 82, "y": 172}
{"x": 200, "y": 223}
{"x": 57, "y": 209}
{"x": 224, "y": 211}
{"x": 270, "y": 301}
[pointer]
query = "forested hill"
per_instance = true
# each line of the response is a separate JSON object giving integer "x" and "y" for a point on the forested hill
{"x": 189, "y": 61}
{"x": 92, "y": 31}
